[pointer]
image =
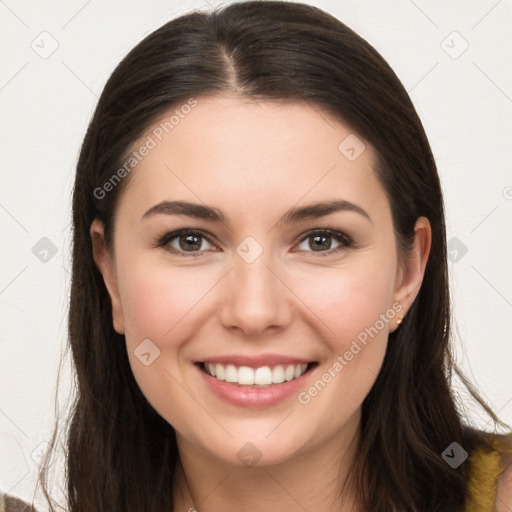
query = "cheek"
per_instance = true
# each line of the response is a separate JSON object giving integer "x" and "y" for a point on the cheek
{"x": 348, "y": 300}
{"x": 155, "y": 304}
{"x": 156, "y": 300}
{"x": 354, "y": 310}
{"x": 160, "y": 304}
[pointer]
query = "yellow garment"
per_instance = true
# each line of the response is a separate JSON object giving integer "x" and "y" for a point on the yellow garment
{"x": 487, "y": 462}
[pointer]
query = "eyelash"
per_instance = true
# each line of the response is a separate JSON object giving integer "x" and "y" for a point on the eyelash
{"x": 345, "y": 240}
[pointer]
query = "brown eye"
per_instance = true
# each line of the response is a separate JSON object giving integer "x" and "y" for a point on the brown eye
{"x": 190, "y": 242}
{"x": 185, "y": 241}
{"x": 321, "y": 241}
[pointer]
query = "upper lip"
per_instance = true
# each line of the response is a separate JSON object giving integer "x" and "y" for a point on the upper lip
{"x": 256, "y": 361}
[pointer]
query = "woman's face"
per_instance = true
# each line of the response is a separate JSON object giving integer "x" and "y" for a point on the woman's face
{"x": 262, "y": 289}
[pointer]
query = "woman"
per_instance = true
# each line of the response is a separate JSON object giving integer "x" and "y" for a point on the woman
{"x": 259, "y": 314}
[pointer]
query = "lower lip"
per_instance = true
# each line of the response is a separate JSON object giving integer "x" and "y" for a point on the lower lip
{"x": 246, "y": 396}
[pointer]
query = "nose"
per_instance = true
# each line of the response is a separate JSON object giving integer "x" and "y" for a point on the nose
{"x": 256, "y": 300}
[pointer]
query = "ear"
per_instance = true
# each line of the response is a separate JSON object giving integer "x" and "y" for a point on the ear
{"x": 410, "y": 273}
{"x": 105, "y": 263}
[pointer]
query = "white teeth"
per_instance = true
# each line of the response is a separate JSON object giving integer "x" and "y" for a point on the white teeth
{"x": 231, "y": 374}
{"x": 219, "y": 372}
{"x": 245, "y": 376}
{"x": 263, "y": 376}
{"x": 277, "y": 374}
{"x": 289, "y": 372}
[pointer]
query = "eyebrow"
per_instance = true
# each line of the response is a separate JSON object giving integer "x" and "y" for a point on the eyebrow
{"x": 293, "y": 215}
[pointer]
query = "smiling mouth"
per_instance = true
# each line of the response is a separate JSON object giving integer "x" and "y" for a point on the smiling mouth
{"x": 264, "y": 376}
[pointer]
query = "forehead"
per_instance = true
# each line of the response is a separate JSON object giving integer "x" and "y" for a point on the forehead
{"x": 249, "y": 153}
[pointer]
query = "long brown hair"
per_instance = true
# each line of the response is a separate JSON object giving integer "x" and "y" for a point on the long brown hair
{"x": 120, "y": 453}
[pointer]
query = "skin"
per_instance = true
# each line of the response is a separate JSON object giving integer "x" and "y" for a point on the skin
{"x": 254, "y": 161}
{"x": 504, "y": 495}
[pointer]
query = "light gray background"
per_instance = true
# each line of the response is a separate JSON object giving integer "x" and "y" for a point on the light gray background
{"x": 463, "y": 96}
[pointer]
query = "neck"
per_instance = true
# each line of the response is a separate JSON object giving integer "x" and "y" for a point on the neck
{"x": 310, "y": 480}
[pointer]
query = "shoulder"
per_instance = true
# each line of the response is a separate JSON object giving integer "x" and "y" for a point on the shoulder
{"x": 490, "y": 471}
{"x": 504, "y": 496}
{"x": 10, "y": 503}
